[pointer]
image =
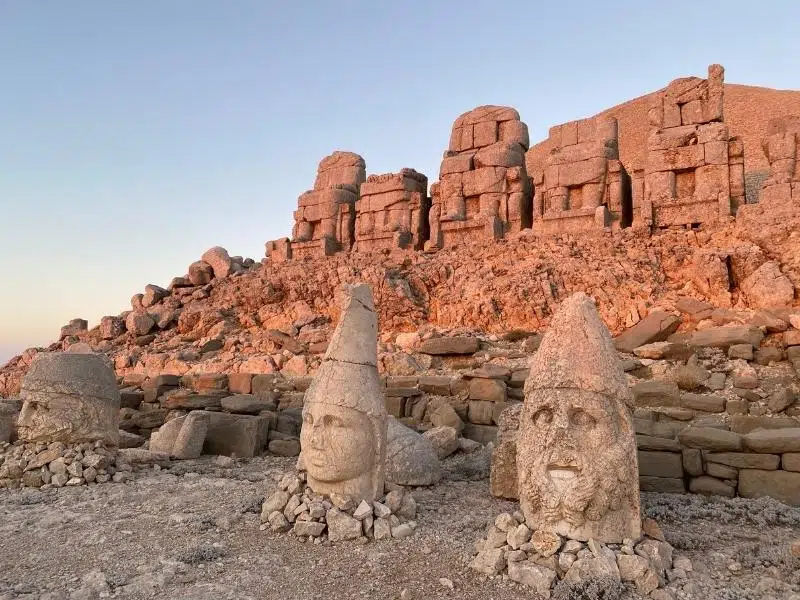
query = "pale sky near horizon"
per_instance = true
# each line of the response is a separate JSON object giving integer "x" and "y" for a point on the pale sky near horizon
{"x": 135, "y": 135}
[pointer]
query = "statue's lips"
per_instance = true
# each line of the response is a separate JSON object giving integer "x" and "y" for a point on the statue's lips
{"x": 563, "y": 470}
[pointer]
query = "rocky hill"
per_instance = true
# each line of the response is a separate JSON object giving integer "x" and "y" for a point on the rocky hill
{"x": 265, "y": 317}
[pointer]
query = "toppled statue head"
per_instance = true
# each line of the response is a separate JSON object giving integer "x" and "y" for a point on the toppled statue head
{"x": 577, "y": 467}
{"x": 343, "y": 437}
{"x": 70, "y": 398}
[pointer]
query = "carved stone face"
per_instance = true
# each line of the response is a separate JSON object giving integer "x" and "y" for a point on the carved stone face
{"x": 576, "y": 461}
{"x": 338, "y": 443}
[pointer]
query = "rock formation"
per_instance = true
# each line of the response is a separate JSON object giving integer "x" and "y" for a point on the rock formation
{"x": 576, "y": 460}
{"x": 392, "y": 212}
{"x": 324, "y": 221}
{"x": 69, "y": 398}
{"x": 782, "y": 187}
{"x": 695, "y": 170}
{"x": 343, "y": 438}
{"x": 583, "y": 184}
{"x": 484, "y": 190}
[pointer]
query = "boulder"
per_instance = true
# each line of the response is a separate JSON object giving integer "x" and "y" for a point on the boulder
{"x": 724, "y": 337}
{"x": 443, "y": 439}
{"x": 410, "y": 458}
{"x": 655, "y": 327}
{"x": 153, "y": 294}
{"x": 219, "y": 261}
{"x": 74, "y": 327}
{"x": 781, "y": 485}
{"x": 139, "y": 323}
{"x": 450, "y": 345}
{"x": 242, "y": 436}
{"x": 248, "y": 404}
{"x": 768, "y": 287}
{"x": 200, "y": 273}
{"x": 111, "y": 327}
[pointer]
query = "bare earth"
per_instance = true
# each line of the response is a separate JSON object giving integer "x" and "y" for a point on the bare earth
{"x": 192, "y": 531}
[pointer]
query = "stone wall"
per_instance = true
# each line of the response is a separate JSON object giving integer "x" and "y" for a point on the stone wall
{"x": 782, "y": 186}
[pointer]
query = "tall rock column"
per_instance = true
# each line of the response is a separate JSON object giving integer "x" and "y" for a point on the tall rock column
{"x": 576, "y": 463}
{"x": 343, "y": 436}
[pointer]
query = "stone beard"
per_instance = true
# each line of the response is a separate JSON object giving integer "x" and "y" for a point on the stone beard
{"x": 577, "y": 465}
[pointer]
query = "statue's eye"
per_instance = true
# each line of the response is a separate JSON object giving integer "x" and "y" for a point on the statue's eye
{"x": 543, "y": 416}
{"x": 581, "y": 418}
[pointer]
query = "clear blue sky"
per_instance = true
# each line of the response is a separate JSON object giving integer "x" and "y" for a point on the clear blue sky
{"x": 135, "y": 135}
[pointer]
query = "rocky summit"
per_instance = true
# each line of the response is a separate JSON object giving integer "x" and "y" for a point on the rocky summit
{"x": 616, "y": 305}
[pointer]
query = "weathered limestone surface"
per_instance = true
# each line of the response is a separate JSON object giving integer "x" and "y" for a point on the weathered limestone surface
{"x": 483, "y": 190}
{"x": 343, "y": 437}
{"x": 392, "y": 212}
{"x": 69, "y": 398}
{"x": 324, "y": 222}
{"x": 582, "y": 185}
{"x": 695, "y": 170}
{"x": 576, "y": 461}
{"x": 782, "y": 188}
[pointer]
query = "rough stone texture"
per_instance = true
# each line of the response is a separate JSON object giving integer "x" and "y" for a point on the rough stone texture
{"x": 411, "y": 459}
{"x": 781, "y": 485}
{"x": 191, "y": 436}
{"x": 219, "y": 261}
{"x": 242, "y": 436}
{"x": 503, "y": 475}
{"x": 443, "y": 439}
{"x": 582, "y": 185}
{"x": 576, "y": 460}
{"x": 484, "y": 190}
{"x": 781, "y": 189}
{"x": 694, "y": 171}
{"x": 450, "y": 345}
{"x": 709, "y": 438}
{"x": 344, "y": 433}
{"x": 69, "y": 398}
{"x": 324, "y": 222}
{"x": 773, "y": 440}
{"x": 392, "y": 212}
{"x": 767, "y": 286}
{"x": 655, "y": 327}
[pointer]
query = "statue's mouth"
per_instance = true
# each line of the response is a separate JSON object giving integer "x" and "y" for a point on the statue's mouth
{"x": 563, "y": 469}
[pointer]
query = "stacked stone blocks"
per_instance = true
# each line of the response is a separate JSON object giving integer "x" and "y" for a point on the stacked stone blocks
{"x": 583, "y": 185}
{"x": 392, "y": 212}
{"x": 782, "y": 187}
{"x": 483, "y": 188}
{"x": 695, "y": 170}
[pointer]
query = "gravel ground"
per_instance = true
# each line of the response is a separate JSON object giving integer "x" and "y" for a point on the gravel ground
{"x": 192, "y": 531}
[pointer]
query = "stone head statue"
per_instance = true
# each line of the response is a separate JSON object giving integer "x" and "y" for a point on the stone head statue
{"x": 70, "y": 398}
{"x": 343, "y": 437}
{"x": 576, "y": 464}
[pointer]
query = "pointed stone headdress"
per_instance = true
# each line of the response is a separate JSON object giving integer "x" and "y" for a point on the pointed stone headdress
{"x": 354, "y": 342}
{"x": 577, "y": 353}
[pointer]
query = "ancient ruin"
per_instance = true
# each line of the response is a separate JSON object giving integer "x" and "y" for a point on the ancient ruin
{"x": 343, "y": 438}
{"x": 694, "y": 171}
{"x": 582, "y": 185}
{"x": 782, "y": 187}
{"x": 324, "y": 222}
{"x": 483, "y": 188}
{"x": 70, "y": 398}
{"x": 576, "y": 452}
{"x": 392, "y": 212}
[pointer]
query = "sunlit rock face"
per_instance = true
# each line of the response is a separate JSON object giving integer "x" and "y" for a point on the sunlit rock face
{"x": 576, "y": 464}
{"x": 343, "y": 437}
{"x": 70, "y": 398}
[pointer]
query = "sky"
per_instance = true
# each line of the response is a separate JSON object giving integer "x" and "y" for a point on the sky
{"x": 136, "y": 135}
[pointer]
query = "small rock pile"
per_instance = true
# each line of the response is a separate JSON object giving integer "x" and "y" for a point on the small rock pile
{"x": 57, "y": 464}
{"x": 310, "y": 516}
{"x": 540, "y": 559}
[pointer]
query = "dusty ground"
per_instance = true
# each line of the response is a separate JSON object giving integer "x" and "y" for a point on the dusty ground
{"x": 192, "y": 531}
